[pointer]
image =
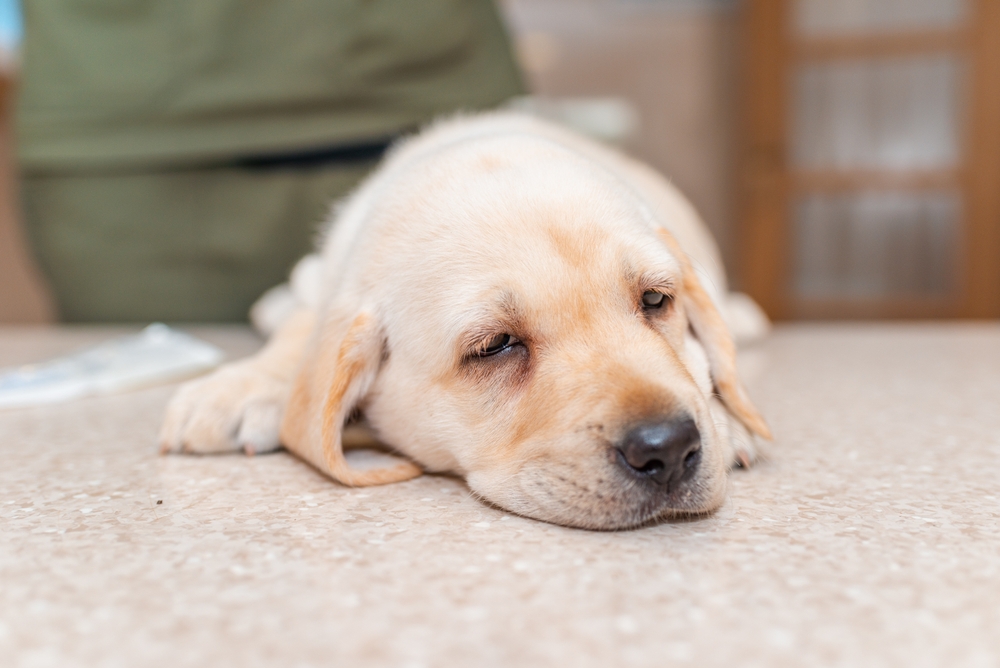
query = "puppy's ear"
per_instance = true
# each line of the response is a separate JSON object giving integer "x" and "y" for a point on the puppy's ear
{"x": 338, "y": 373}
{"x": 711, "y": 330}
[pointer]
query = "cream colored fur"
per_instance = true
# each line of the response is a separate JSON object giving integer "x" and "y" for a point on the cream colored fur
{"x": 476, "y": 227}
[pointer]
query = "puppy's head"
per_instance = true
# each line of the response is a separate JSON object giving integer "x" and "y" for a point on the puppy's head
{"x": 536, "y": 333}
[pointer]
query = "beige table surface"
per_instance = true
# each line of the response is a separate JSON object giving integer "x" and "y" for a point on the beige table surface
{"x": 871, "y": 538}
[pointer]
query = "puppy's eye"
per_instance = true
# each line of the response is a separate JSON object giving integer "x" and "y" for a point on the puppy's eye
{"x": 654, "y": 300}
{"x": 498, "y": 344}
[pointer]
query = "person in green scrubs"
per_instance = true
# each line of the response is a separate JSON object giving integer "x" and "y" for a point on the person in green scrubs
{"x": 178, "y": 157}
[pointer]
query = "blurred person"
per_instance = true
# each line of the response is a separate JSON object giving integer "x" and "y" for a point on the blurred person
{"x": 177, "y": 157}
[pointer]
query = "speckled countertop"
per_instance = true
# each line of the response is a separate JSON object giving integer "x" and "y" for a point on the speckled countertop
{"x": 871, "y": 537}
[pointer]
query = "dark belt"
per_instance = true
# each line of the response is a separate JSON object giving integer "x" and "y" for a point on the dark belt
{"x": 320, "y": 157}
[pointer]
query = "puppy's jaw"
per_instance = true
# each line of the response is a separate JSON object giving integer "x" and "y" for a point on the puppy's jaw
{"x": 597, "y": 495}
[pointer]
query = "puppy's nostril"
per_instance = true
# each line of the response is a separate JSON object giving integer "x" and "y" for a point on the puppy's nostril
{"x": 692, "y": 458}
{"x": 652, "y": 467}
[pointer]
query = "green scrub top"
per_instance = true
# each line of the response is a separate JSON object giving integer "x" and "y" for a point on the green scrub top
{"x": 111, "y": 83}
{"x": 154, "y": 135}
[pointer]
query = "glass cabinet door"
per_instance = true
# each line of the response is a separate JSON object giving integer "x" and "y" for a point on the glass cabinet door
{"x": 875, "y": 149}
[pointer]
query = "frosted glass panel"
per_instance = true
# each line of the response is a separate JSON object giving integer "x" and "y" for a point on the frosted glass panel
{"x": 875, "y": 244}
{"x": 814, "y": 18}
{"x": 891, "y": 113}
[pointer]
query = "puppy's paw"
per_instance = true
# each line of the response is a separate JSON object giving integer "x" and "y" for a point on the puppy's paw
{"x": 238, "y": 407}
{"x": 743, "y": 446}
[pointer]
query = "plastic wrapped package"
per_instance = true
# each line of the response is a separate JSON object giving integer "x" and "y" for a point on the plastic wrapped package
{"x": 156, "y": 355}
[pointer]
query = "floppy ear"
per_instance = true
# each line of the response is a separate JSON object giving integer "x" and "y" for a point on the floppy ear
{"x": 711, "y": 330}
{"x": 333, "y": 379}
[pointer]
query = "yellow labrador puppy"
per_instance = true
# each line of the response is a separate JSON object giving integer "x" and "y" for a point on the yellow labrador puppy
{"x": 510, "y": 302}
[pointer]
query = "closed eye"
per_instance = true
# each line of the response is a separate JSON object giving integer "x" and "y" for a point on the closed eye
{"x": 498, "y": 344}
{"x": 503, "y": 361}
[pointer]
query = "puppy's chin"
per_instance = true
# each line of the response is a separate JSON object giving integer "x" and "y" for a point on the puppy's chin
{"x": 607, "y": 500}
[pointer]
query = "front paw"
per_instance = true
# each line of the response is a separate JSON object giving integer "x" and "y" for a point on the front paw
{"x": 739, "y": 444}
{"x": 743, "y": 446}
{"x": 238, "y": 407}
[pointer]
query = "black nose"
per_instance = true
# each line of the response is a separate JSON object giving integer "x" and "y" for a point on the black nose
{"x": 667, "y": 451}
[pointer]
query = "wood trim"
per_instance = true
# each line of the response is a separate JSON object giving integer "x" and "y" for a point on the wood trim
{"x": 880, "y": 45}
{"x": 837, "y": 181}
{"x": 762, "y": 236}
{"x": 982, "y": 183}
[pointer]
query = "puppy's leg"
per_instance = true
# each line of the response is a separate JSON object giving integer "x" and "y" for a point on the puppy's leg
{"x": 742, "y": 445}
{"x": 240, "y": 405}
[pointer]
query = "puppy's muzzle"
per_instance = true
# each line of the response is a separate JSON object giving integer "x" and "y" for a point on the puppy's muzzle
{"x": 665, "y": 453}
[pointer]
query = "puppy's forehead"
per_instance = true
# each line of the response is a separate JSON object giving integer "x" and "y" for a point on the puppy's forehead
{"x": 537, "y": 209}
{"x": 489, "y": 230}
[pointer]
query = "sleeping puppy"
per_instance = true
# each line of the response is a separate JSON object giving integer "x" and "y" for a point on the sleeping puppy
{"x": 510, "y": 302}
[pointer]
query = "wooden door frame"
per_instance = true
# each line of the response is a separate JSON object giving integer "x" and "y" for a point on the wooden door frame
{"x": 764, "y": 235}
{"x": 982, "y": 174}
